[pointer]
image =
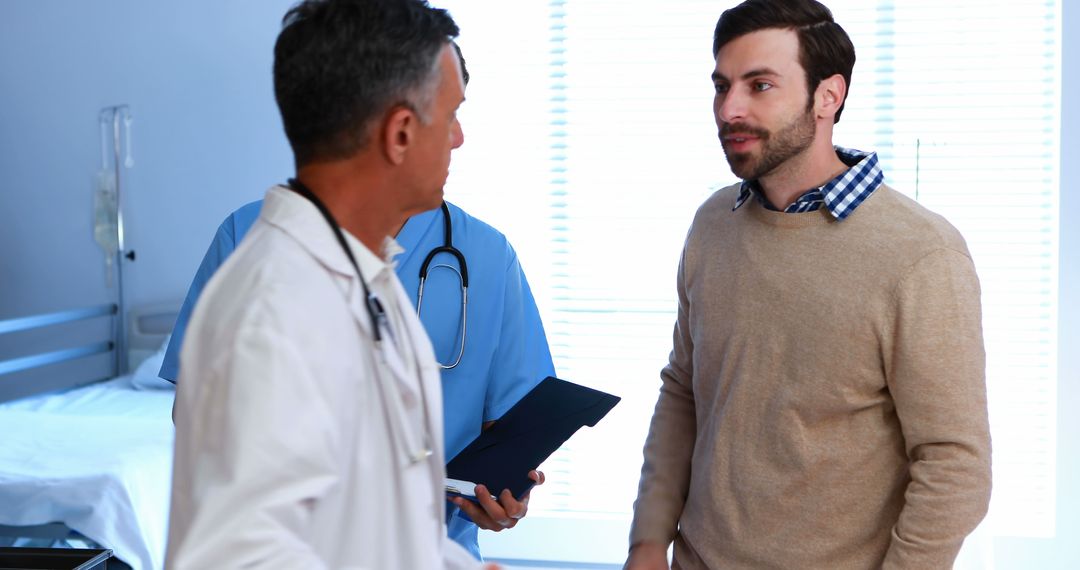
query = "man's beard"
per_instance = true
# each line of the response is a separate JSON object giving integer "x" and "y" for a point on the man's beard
{"x": 776, "y": 149}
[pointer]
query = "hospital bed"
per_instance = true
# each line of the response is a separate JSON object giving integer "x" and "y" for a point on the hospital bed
{"x": 86, "y": 454}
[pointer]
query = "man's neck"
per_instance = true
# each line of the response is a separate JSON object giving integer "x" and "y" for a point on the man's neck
{"x": 813, "y": 168}
{"x": 357, "y": 197}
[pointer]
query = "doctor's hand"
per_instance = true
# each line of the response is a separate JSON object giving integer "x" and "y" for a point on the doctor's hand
{"x": 497, "y": 515}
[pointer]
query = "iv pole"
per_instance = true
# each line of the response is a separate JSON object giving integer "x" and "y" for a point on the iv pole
{"x": 115, "y": 114}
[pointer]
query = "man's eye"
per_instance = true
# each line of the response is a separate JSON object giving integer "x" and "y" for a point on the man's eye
{"x": 762, "y": 86}
{"x": 720, "y": 88}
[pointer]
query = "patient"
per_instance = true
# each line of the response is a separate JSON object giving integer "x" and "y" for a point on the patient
{"x": 506, "y": 352}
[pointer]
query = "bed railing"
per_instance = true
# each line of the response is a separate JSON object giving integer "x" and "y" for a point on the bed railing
{"x": 73, "y": 347}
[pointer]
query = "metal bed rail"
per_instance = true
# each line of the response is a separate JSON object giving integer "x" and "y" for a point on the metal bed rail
{"x": 21, "y": 324}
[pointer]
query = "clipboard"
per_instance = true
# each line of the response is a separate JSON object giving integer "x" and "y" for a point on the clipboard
{"x": 537, "y": 425}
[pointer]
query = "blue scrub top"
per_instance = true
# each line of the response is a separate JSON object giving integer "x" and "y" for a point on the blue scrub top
{"x": 506, "y": 350}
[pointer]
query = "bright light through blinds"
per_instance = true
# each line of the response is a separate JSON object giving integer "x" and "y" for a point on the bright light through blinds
{"x": 972, "y": 106}
{"x": 590, "y": 143}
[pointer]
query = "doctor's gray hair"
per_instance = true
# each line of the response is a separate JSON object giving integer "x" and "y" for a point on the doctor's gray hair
{"x": 339, "y": 65}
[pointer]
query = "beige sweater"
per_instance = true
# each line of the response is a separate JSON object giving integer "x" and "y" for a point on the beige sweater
{"x": 825, "y": 403}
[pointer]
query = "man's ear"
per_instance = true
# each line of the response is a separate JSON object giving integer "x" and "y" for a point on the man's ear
{"x": 398, "y": 133}
{"x": 829, "y": 96}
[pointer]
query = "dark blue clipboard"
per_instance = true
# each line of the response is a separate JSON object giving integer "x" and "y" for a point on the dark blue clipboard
{"x": 502, "y": 455}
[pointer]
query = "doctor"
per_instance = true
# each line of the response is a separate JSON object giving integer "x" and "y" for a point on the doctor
{"x": 309, "y": 424}
{"x": 500, "y": 349}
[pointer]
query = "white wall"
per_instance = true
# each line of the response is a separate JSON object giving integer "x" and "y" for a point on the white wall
{"x": 206, "y": 135}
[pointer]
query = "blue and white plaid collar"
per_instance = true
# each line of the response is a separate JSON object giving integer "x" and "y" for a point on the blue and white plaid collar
{"x": 841, "y": 195}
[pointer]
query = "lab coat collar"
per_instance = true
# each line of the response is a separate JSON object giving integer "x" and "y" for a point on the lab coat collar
{"x": 301, "y": 220}
{"x": 296, "y": 216}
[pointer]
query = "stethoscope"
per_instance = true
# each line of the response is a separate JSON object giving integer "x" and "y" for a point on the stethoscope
{"x": 417, "y": 451}
{"x": 463, "y": 278}
{"x": 375, "y": 310}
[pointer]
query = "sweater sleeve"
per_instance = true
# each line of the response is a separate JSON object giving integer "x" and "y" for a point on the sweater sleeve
{"x": 665, "y": 474}
{"x": 936, "y": 375}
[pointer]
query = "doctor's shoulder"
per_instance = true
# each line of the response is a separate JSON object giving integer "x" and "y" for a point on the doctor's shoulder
{"x": 269, "y": 269}
{"x": 481, "y": 240}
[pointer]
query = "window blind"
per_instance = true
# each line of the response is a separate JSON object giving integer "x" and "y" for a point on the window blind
{"x": 973, "y": 109}
{"x": 590, "y": 142}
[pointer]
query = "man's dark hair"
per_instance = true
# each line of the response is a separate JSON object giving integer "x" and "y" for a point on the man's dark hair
{"x": 824, "y": 47}
{"x": 340, "y": 64}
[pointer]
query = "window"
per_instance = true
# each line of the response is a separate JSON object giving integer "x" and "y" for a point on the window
{"x": 590, "y": 143}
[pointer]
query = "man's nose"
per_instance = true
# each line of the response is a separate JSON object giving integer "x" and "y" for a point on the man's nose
{"x": 457, "y": 135}
{"x": 729, "y": 107}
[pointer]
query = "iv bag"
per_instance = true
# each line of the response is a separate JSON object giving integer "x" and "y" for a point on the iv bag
{"x": 105, "y": 225}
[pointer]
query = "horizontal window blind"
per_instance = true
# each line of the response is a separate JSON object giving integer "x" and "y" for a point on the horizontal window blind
{"x": 590, "y": 142}
{"x": 974, "y": 137}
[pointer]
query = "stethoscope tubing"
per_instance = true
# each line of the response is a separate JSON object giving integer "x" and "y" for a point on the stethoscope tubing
{"x": 463, "y": 277}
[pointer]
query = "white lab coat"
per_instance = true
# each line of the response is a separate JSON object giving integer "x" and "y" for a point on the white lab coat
{"x": 294, "y": 436}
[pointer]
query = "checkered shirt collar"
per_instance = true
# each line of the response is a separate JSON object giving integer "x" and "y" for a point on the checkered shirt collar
{"x": 841, "y": 195}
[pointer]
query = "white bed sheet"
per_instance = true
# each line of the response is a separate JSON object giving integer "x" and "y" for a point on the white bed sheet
{"x": 98, "y": 459}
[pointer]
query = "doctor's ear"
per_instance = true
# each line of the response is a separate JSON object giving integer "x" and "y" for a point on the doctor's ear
{"x": 398, "y": 133}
